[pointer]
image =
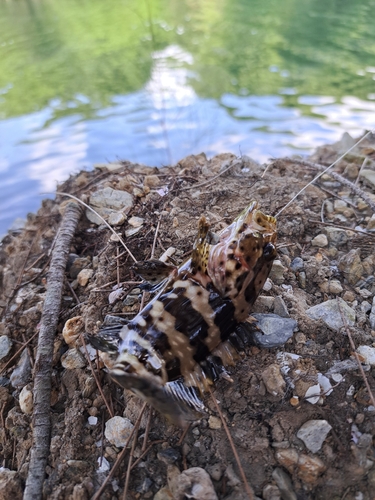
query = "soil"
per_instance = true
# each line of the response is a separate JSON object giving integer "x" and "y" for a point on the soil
{"x": 263, "y": 425}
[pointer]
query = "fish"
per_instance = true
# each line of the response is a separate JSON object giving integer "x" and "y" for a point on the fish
{"x": 179, "y": 344}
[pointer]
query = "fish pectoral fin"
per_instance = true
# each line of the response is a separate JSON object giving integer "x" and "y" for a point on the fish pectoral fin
{"x": 199, "y": 257}
{"x": 107, "y": 339}
{"x": 153, "y": 271}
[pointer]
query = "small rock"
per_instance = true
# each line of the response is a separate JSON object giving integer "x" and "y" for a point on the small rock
{"x": 26, "y": 400}
{"x": 10, "y": 485}
{"x": 92, "y": 420}
{"x": 288, "y": 458}
{"x": 372, "y": 314}
{"x": 333, "y": 286}
{"x": 136, "y": 221}
{"x": 312, "y": 394}
{"x": 351, "y": 171}
{"x": 277, "y": 272}
{"x": 72, "y": 329}
{"x": 325, "y": 384}
{"x": 320, "y": 241}
{"x": 371, "y": 223}
{"x": 329, "y": 312}
{"x": 73, "y": 359}
{"x": 337, "y": 237}
{"x": 151, "y": 181}
{"x": 103, "y": 465}
{"x": 5, "y": 346}
{"x": 84, "y": 276}
{"x": 280, "y": 308}
{"x": 216, "y": 471}
{"x": 76, "y": 264}
{"x": 369, "y": 175}
{"x": 116, "y": 218}
{"x": 22, "y": 373}
{"x": 273, "y": 380}
{"x": 309, "y": 468}
{"x": 132, "y": 231}
{"x": 350, "y": 264}
{"x": 194, "y": 483}
{"x": 267, "y": 285}
{"x": 274, "y": 330}
{"x": 313, "y": 433}
{"x": 349, "y": 296}
{"x": 297, "y": 264}
{"x": 164, "y": 494}
{"x": 367, "y": 353}
{"x": 214, "y": 422}
{"x": 265, "y": 301}
{"x": 111, "y": 198}
{"x": 284, "y": 484}
{"x": 117, "y": 431}
{"x": 302, "y": 279}
{"x": 271, "y": 492}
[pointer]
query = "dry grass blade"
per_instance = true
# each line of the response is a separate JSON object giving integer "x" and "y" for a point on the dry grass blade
{"x": 18, "y": 352}
{"x": 101, "y": 218}
{"x": 323, "y": 169}
{"x": 96, "y": 377}
{"x": 347, "y": 329}
{"x": 249, "y": 490}
{"x": 120, "y": 456}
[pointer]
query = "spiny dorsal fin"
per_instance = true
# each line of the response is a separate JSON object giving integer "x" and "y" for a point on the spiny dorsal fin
{"x": 199, "y": 257}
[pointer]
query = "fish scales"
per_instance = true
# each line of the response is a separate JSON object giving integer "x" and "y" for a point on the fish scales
{"x": 177, "y": 345}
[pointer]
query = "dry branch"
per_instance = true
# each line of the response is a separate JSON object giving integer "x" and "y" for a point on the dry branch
{"x": 43, "y": 362}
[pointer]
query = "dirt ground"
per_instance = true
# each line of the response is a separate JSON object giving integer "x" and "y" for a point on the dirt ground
{"x": 263, "y": 425}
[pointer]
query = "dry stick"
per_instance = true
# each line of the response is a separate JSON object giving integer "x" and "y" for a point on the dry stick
{"x": 356, "y": 354}
{"x": 120, "y": 457}
{"x": 101, "y": 218}
{"x": 249, "y": 490}
{"x": 43, "y": 362}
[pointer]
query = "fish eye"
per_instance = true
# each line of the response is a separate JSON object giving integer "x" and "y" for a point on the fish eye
{"x": 269, "y": 251}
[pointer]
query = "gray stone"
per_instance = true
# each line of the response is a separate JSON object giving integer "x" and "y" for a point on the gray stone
{"x": 351, "y": 265}
{"x": 297, "y": 264}
{"x": 284, "y": 484}
{"x": 111, "y": 198}
{"x": 369, "y": 175}
{"x": 73, "y": 359}
{"x": 329, "y": 313}
{"x": 274, "y": 330}
{"x": 194, "y": 483}
{"x": 22, "y": 373}
{"x": 273, "y": 380}
{"x": 368, "y": 354}
{"x": 277, "y": 272}
{"x": 372, "y": 314}
{"x": 313, "y": 433}
{"x": 117, "y": 431}
{"x": 279, "y": 307}
{"x": 5, "y": 346}
{"x": 116, "y": 218}
{"x": 337, "y": 237}
{"x": 320, "y": 241}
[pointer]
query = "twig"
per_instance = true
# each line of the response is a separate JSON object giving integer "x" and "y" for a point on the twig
{"x": 200, "y": 184}
{"x": 101, "y": 218}
{"x": 360, "y": 170}
{"x": 145, "y": 452}
{"x": 17, "y": 353}
{"x": 155, "y": 237}
{"x": 249, "y": 490}
{"x": 43, "y": 363}
{"x": 120, "y": 457}
{"x": 126, "y": 486}
{"x": 347, "y": 329}
{"x": 346, "y": 228}
{"x": 96, "y": 377}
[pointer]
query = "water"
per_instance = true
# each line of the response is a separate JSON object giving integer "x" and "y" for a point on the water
{"x": 151, "y": 81}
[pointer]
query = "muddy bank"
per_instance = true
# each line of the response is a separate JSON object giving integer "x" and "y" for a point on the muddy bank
{"x": 301, "y": 416}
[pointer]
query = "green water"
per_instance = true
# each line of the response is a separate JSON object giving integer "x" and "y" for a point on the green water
{"x": 52, "y": 49}
{"x": 83, "y": 82}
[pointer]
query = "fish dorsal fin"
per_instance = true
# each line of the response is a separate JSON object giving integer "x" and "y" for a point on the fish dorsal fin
{"x": 199, "y": 257}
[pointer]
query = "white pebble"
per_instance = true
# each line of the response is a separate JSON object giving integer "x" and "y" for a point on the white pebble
{"x": 92, "y": 420}
{"x": 26, "y": 400}
{"x": 313, "y": 394}
{"x": 117, "y": 431}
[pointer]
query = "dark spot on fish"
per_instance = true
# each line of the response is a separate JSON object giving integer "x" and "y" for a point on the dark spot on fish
{"x": 173, "y": 368}
{"x": 228, "y": 273}
{"x": 221, "y": 263}
{"x": 238, "y": 265}
{"x": 199, "y": 293}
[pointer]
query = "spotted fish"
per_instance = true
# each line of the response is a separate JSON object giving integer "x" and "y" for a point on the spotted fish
{"x": 180, "y": 342}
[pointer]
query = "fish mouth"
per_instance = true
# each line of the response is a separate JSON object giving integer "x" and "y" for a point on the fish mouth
{"x": 180, "y": 404}
{"x": 255, "y": 220}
